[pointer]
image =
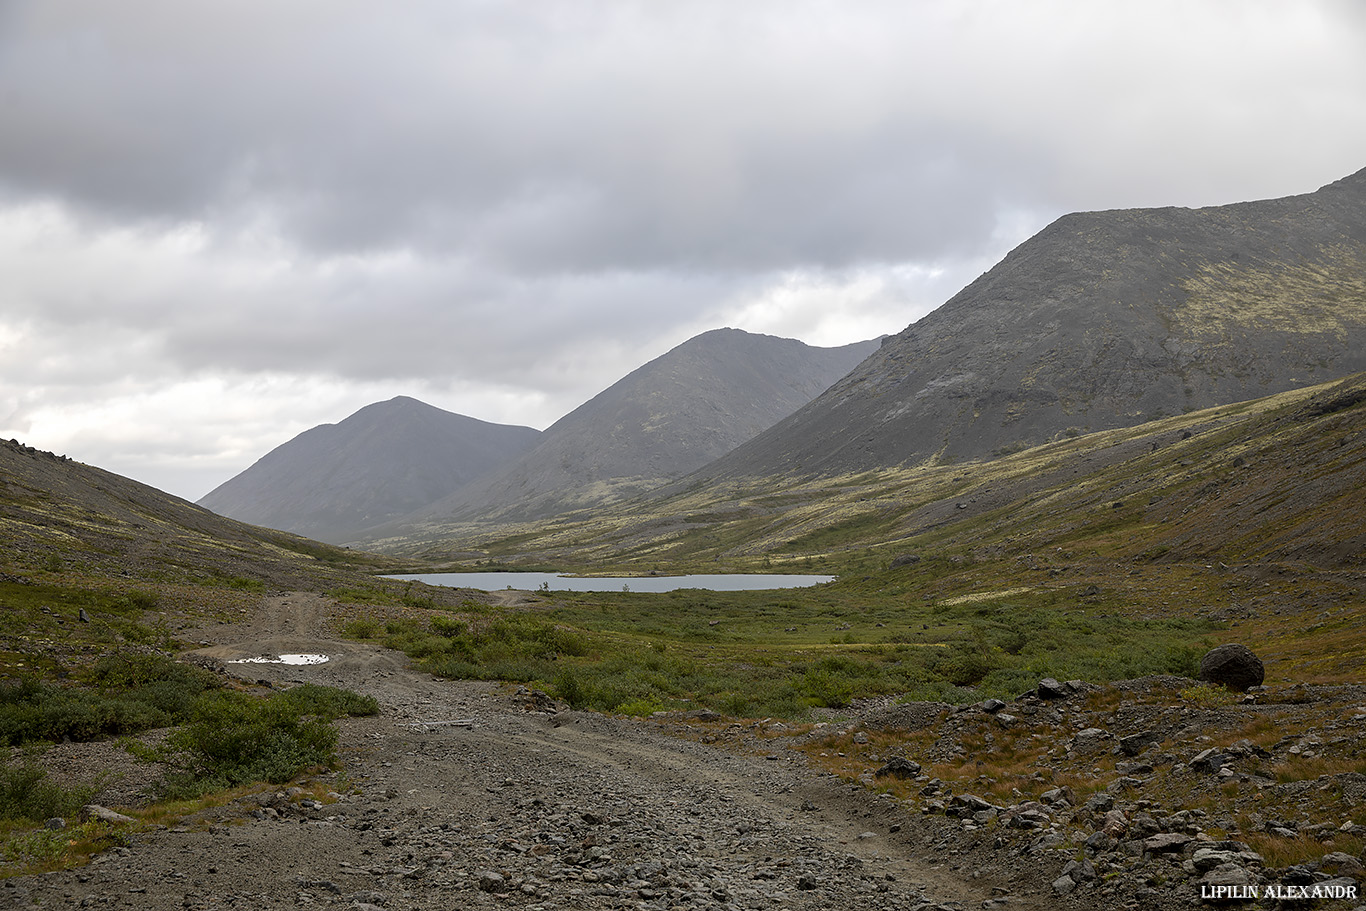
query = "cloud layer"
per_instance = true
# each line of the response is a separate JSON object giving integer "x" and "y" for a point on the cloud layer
{"x": 221, "y": 224}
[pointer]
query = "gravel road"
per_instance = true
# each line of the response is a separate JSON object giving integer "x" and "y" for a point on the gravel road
{"x": 513, "y": 808}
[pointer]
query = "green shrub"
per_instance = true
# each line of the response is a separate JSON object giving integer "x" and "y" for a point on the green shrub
{"x": 26, "y": 793}
{"x": 822, "y": 687}
{"x": 328, "y": 701}
{"x": 569, "y": 687}
{"x": 161, "y": 683}
{"x": 137, "y": 601}
{"x": 1208, "y": 696}
{"x": 417, "y": 600}
{"x": 127, "y": 694}
{"x": 452, "y": 627}
{"x": 233, "y": 739}
{"x": 362, "y": 628}
{"x": 31, "y": 711}
{"x": 529, "y": 638}
{"x": 455, "y": 669}
{"x": 639, "y": 708}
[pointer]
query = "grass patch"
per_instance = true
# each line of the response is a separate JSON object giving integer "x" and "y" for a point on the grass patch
{"x": 362, "y": 628}
{"x": 29, "y": 796}
{"x": 45, "y": 850}
{"x": 365, "y": 594}
{"x": 1280, "y": 852}
{"x": 1208, "y": 697}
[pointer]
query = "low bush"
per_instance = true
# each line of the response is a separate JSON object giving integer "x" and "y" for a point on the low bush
{"x": 234, "y": 739}
{"x": 328, "y": 701}
{"x": 449, "y": 647}
{"x": 154, "y": 680}
{"x": 126, "y": 694}
{"x": 34, "y": 711}
{"x": 26, "y": 793}
{"x": 745, "y": 654}
{"x": 363, "y": 628}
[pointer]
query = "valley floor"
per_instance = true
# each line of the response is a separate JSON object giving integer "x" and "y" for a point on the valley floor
{"x": 475, "y": 795}
{"x": 517, "y": 809}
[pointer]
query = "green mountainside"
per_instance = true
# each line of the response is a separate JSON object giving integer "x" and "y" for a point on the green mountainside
{"x": 64, "y": 518}
{"x": 1249, "y": 513}
{"x": 1102, "y": 320}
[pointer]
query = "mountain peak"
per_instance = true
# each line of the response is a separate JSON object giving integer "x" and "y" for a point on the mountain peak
{"x": 666, "y": 418}
{"x": 1101, "y": 320}
{"x": 385, "y": 460}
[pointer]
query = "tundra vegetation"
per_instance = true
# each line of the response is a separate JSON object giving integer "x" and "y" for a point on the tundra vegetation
{"x": 1109, "y": 556}
{"x": 1099, "y": 558}
{"x": 779, "y": 654}
{"x": 108, "y": 677}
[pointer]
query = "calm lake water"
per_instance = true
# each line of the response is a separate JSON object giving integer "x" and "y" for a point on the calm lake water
{"x": 733, "y": 582}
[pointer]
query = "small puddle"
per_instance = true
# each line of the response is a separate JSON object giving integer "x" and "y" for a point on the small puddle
{"x": 283, "y": 659}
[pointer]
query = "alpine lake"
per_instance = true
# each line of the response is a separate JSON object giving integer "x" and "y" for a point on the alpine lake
{"x": 525, "y": 581}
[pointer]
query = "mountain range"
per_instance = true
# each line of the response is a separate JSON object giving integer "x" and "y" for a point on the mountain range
{"x": 1101, "y": 320}
{"x": 663, "y": 420}
{"x": 403, "y": 459}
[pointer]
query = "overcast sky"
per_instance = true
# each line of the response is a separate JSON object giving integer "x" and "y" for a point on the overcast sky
{"x": 222, "y": 223}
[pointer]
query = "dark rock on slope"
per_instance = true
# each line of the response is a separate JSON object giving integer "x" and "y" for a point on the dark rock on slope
{"x": 1102, "y": 320}
{"x": 384, "y": 461}
{"x": 661, "y": 421}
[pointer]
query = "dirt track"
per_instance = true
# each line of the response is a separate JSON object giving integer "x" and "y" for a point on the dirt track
{"x": 518, "y": 808}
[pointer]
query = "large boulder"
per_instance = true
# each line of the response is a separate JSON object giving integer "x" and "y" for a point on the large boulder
{"x": 1049, "y": 688}
{"x": 1232, "y": 666}
{"x": 898, "y": 767}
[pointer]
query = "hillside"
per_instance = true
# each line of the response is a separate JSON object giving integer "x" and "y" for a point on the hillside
{"x": 1248, "y": 512}
{"x": 675, "y": 414}
{"x": 1102, "y": 320}
{"x": 384, "y": 461}
{"x": 62, "y": 517}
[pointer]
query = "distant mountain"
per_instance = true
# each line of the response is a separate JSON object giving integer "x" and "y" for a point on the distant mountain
{"x": 382, "y": 462}
{"x": 661, "y": 421}
{"x": 1101, "y": 320}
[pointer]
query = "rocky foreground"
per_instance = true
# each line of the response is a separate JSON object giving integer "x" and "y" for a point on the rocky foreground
{"x": 463, "y": 795}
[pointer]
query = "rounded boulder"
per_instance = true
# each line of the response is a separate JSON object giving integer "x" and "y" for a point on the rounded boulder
{"x": 1232, "y": 666}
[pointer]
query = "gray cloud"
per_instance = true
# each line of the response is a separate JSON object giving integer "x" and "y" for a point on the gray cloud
{"x": 595, "y": 139}
{"x": 223, "y": 223}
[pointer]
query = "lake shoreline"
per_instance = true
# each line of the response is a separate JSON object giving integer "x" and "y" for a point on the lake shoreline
{"x": 647, "y": 584}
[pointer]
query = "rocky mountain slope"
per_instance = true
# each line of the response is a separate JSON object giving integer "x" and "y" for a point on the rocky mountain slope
{"x": 382, "y": 462}
{"x": 659, "y": 422}
{"x": 1102, "y": 320}
{"x": 60, "y": 516}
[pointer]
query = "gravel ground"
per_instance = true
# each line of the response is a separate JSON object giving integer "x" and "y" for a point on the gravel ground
{"x": 533, "y": 809}
{"x": 475, "y": 795}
